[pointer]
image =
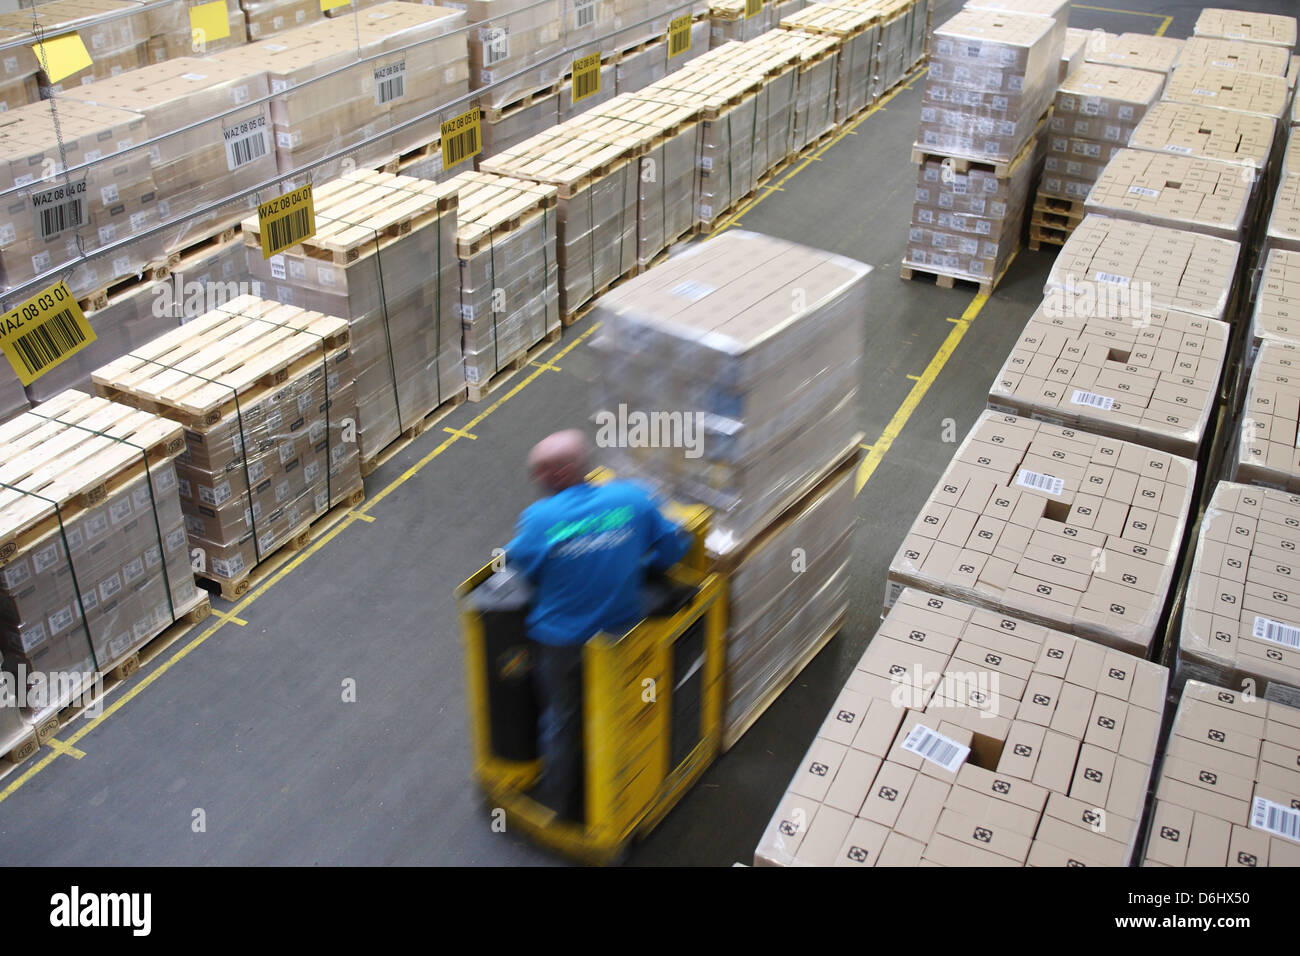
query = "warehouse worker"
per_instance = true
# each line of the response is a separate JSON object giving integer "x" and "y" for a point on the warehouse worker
{"x": 585, "y": 549}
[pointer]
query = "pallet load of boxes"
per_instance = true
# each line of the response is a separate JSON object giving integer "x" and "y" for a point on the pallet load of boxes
{"x": 1113, "y": 540}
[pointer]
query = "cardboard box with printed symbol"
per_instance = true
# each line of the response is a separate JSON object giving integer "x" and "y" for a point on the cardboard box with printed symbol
{"x": 1087, "y": 844}
{"x": 1266, "y": 28}
{"x": 900, "y": 851}
{"x": 1248, "y": 848}
{"x": 821, "y": 845}
{"x": 852, "y": 783}
{"x": 1056, "y": 762}
{"x": 1001, "y": 813}
{"x": 983, "y": 833}
{"x": 889, "y": 791}
{"x": 921, "y": 811}
{"x": 1171, "y": 834}
{"x": 864, "y": 844}
{"x": 1139, "y": 51}
{"x": 786, "y": 831}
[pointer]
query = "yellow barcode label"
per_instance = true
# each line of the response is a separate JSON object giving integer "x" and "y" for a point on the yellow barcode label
{"x": 679, "y": 36}
{"x": 286, "y": 220}
{"x": 209, "y": 22}
{"x": 462, "y": 138}
{"x": 586, "y": 76}
{"x": 62, "y": 56}
{"x": 752, "y": 8}
{"x": 44, "y": 331}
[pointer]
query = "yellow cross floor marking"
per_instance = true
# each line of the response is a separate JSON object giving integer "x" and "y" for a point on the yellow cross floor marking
{"x": 546, "y": 366}
{"x": 369, "y": 519}
{"x": 1160, "y": 30}
{"x": 459, "y": 434}
{"x": 228, "y": 618}
{"x": 60, "y": 747}
{"x": 919, "y": 388}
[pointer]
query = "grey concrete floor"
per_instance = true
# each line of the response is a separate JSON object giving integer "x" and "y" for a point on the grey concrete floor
{"x": 250, "y": 725}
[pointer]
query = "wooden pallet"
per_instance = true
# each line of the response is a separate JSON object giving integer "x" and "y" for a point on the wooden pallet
{"x": 409, "y": 434}
{"x": 709, "y": 228}
{"x": 492, "y": 206}
{"x": 102, "y": 296}
{"x": 1000, "y": 169}
{"x": 495, "y": 114}
{"x": 234, "y": 588}
{"x": 1046, "y": 235}
{"x": 945, "y": 280}
{"x": 1050, "y": 219}
{"x": 183, "y": 259}
{"x": 1073, "y": 208}
{"x": 478, "y": 391}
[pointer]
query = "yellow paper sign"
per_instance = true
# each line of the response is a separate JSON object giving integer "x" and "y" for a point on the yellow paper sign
{"x": 586, "y": 76}
{"x": 61, "y": 56}
{"x": 44, "y": 331}
{"x": 752, "y": 8}
{"x": 286, "y": 220}
{"x": 331, "y": 4}
{"x": 462, "y": 138}
{"x": 679, "y": 36}
{"x": 209, "y": 22}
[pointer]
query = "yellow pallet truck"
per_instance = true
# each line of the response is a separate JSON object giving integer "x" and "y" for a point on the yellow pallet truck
{"x": 651, "y": 710}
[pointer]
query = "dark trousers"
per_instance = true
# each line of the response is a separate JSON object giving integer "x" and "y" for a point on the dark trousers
{"x": 557, "y": 679}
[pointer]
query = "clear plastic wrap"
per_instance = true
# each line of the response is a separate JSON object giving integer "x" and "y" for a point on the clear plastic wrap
{"x": 13, "y": 399}
{"x": 769, "y": 392}
{"x": 1181, "y": 192}
{"x": 1207, "y": 132}
{"x": 1168, "y": 268}
{"x": 1291, "y": 155}
{"x": 95, "y": 560}
{"x": 384, "y": 258}
{"x": 653, "y": 62}
{"x": 1072, "y": 55}
{"x": 1267, "y": 451}
{"x": 1137, "y": 51}
{"x": 268, "y": 18}
{"x": 569, "y": 109}
{"x": 992, "y": 76}
{"x": 506, "y": 241}
{"x": 1093, "y": 364}
{"x": 172, "y": 36}
{"x": 1038, "y": 749}
{"x": 1227, "y": 795}
{"x": 116, "y": 43}
{"x": 1284, "y": 221}
{"x": 1276, "y": 315}
{"x": 1235, "y": 55}
{"x": 858, "y": 33}
{"x": 1268, "y": 28}
{"x": 261, "y": 460}
{"x": 504, "y": 129}
{"x": 1057, "y": 525}
{"x": 1229, "y": 89}
{"x": 814, "y": 109}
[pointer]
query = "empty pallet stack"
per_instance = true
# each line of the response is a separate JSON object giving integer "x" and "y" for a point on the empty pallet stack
{"x": 509, "y": 278}
{"x": 94, "y": 561}
{"x": 764, "y": 401}
{"x": 991, "y": 80}
{"x": 972, "y": 737}
{"x": 596, "y": 207}
{"x": 266, "y": 395}
{"x": 1227, "y": 792}
{"x": 384, "y": 258}
{"x": 1097, "y": 109}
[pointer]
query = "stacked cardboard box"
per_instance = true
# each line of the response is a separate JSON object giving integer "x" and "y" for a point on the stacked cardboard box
{"x": 728, "y": 22}
{"x": 992, "y": 77}
{"x": 12, "y": 397}
{"x": 95, "y": 561}
{"x": 266, "y": 394}
{"x": 1240, "y": 620}
{"x": 1072, "y": 54}
{"x": 605, "y": 90}
{"x": 1061, "y": 526}
{"x": 764, "y": 398}
{"x": 1169, "y": 268}
{"x": 506, "y": 127}
{"x": 1097, "y": 109}
{"x": 114, "y": 32}
{"x": 904, "y": 29}
{"x": 1207, "y": 132}
{"x": 1291, "y": 155}
{"x": 968, "y": 737}
{"x": 814, "y": 109}
{"x": 505, "y": 239}
{"x": 638, "y": 69}
{"x": 340, "y": 81}
{"x": 858, "y": 31}
{"x": 1229, "y": 89}
{"x": 171, "y": 35}
{"x": 968, "y": 224}
{"x": 267, "y": 18}
{"x": 597, "y": 208}
{"x": 1277, "y": 302}
{"x": 1181, "y": 192}
{"x": 196, "y": 163}
{"x": 1228, "y": 789}
{"x": 1264, "y": 28}
{"x": 384, "y": 258}
{"x": 1144, "y": 375}
{"x": 48, "y": 221}
{"x": 1284, "y": 222}
{"x": 1236, "y": 55}
{"x": 1268, "y": 453}
{"x": 1138, "y": 51}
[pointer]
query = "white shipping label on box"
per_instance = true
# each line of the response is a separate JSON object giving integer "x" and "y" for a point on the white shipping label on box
{"x": 1275, "y": 818}
{"x": 1277, "y": 632}
{"x": 1144, "y": 191}
{"x": 496, "y": 44}
{"x": 1047, "y": 483}
{"x": 246, "y": 142}
{"x": 1104, "y": 402}
{"x": 1111, "y": 278}
{"x": 390, "y": 82}
{"x": 935, "y": 747}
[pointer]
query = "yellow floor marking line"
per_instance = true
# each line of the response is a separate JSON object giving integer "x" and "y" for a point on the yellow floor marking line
{"x": 1136, "y": 13}
{"x": 918, "y": 390}
{"x": 61, "y": 747}
{"x": 459, "y": 433}
{"x": 1160, "y": 30}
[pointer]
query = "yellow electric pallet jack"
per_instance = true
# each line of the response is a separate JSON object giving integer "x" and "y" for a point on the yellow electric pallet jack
{"x": 652, "y": 706}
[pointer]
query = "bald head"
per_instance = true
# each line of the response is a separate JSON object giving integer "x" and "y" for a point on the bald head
{"x": 559, "y": 461}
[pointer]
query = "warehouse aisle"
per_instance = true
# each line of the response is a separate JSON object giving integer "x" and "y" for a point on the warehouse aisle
{"x": 325, "y": 722}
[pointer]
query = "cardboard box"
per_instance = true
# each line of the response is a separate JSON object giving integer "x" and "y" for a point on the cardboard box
{"x": 1207, "y": 132}
{"x": 1271, "y": 29}
{"x": 1247, "y": 57}
{"x": 1284, "y": 222}
{"x": 1139, "y": 51}
{"x": 1229, "y": 89}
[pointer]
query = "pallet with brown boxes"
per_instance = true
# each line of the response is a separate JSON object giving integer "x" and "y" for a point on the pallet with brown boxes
{"x": 1136, "y": 51}
{"x": 1276, "y": 314}
{"x": 818, "y": 64}
{"x": 1284, "y": 222}
{"x": 764, "y": 401}
{"x": 1267, "y": 28}
{"x": 1063, "y": 527}
{"x": 637, "y": 69}
{"x": 1266, "y": 452}
{"x": 972, "y": 737}
{"x": 171, "y": 35}
{"x": 269, "y": 18}
{"x": 858, "y": 31}
{"x": 1229, "y": 89}
{"x": 1227, "y": 791}
{"x": 1207, "y": 132}
{"x": 94, "y": 561}
{"x": 505, "y": 240}
{"x": 114, "y": 32}
{"x": 384, "y": 258}
{"x": 267, "y": 398}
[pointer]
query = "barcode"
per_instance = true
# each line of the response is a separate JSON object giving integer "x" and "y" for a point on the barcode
{"x": 1275, "y": 818}
{"x": 679, "y": 36}
{"x": 246, "y": 142}
{"x": 1277, "y": 632}
{"x": 586, "y": 84}
{"x": 1032, "y": 479}
{"x": 292, "y": 228}
{"x": 1144, "y": 191}
{"x": 584, "y": 13}
{"x": 459, "y": 145}
{"x": 390, "y": 83}
{"x": 496, "y": 45}
{"x": 935, "y": 747}
{"x": 1206, "y": 92}
{"x": 1175, "y": 148}
{"x": 48, "y": 342}
{"x": 1111, "y": 278}
{"x": 59, "y": 208}
{"x": 1104, "y": 402}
